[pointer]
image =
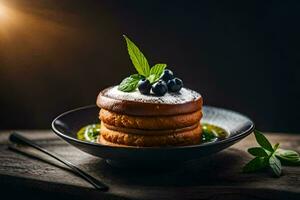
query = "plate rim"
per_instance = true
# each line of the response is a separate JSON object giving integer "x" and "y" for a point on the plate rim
{"x": 234, "y": 138}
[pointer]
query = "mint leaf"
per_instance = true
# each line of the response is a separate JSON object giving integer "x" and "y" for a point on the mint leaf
{"x": 255, "y": 164}
{"x": 156, "y": 71}
{"x": 137, "y": 57}
{"x": 275, "y": 165}
{"x": 263, "y": 141}
{"x": 288, "y": 157}
{"x": 257, "y": 151}
{"x": 266, "y": 155}
{"x": 152, "y": 78}
{"x": 129, "y": 84}
{"x": 287, "y": 153}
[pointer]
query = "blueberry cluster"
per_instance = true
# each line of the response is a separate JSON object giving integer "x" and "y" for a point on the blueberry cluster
{"x": 167, "y": 83}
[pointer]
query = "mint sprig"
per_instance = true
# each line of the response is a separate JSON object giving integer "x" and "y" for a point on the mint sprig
{"x": 130, "y": 83}
{"x": 142, "y": 67}
{"x": 137, "y": 57}
{"x": 156, "y": 72}
{"x": 268, "y": 156}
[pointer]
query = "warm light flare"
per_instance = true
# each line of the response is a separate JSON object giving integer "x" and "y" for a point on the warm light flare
{"x": 5, "y": 14}
{"x": 32, "y": 34}
{"x": 8, "y": 18}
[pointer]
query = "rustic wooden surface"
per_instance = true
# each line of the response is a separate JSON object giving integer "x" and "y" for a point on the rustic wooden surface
{"x": 215, "y": 177}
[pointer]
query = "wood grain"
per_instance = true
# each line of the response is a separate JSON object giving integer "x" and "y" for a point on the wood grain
{"x": 215, "y": 177}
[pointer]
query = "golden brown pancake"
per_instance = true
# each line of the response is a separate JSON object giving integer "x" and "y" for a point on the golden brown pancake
{"x": 149, "y": 132}
{"x": 101, "y": 140}
{"x": 136, "y": 104}
{"x": 134, "y": 119}
{"x": 152, "y": 123}
{"x": 187, "y": 137}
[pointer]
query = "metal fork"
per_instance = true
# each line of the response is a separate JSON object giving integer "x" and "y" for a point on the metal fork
{"x": 19, "y": 139}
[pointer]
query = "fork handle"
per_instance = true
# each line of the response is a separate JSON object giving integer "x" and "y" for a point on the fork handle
{"x": 19, "y": 139}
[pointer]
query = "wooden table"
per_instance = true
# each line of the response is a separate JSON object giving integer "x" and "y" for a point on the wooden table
{"x": 215, "y": 177}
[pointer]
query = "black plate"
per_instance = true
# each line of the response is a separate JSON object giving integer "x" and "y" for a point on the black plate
{"x": 67, "y": 124}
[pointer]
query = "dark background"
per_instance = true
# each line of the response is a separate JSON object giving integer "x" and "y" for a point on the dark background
{"x": 58, "y": 54}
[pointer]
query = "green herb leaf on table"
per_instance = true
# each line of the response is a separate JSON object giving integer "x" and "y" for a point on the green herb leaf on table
{"x": 255, "y": 164}
{"x": 129, "y": 84}
{"x": 156, "y": 72}
{"x": 287, "y": 154}
{"x": 288, "y": 157}
{"x": 267, "y": 156}
{"x": 275, "y": 165}
{"x": 258, "y": 151}
{"x": 263, "y": 141}
{"x": 137, "y": 57}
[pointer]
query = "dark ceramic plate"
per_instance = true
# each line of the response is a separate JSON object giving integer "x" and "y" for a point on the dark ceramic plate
{"x": 67, "y": 124}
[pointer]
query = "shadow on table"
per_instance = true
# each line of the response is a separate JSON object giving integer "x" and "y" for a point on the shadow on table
{"x": 224, "y": 167}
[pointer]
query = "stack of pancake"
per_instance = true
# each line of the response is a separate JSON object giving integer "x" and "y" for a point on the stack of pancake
{"x": 134, "y": 119}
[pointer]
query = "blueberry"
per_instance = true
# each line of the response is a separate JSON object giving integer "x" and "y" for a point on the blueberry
{"x": 160, "y": 88}
{"x": 167, "y": 75}
{"x": 144, "y": 86}
{"x": 175, "y": 84}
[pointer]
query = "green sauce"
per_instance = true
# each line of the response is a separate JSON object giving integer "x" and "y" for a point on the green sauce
{"x": 211, "y": 133}
{"x": 89, "y": 133}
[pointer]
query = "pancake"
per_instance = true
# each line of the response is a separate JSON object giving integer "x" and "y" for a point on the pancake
{"x": 186, "y": 137}
{"x": 136, "y": 104}
{"x": 152, "y": 123}
{"x": 101, "y": 140}
{"x": 148, "y": 132}
{"x": 135, "y": 119}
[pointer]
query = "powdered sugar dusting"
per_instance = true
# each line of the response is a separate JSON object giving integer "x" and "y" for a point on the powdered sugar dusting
{"x": 185, "y": 95}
